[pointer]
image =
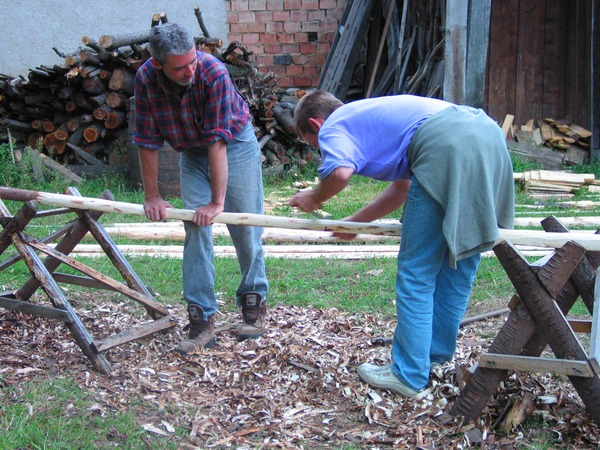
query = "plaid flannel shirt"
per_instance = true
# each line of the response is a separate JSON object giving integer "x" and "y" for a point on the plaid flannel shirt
{"x": 208, "y": 110}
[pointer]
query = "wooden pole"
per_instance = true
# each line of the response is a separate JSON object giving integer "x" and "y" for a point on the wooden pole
{"x": 96, "y": 204}
{"x": 588, "y": 240}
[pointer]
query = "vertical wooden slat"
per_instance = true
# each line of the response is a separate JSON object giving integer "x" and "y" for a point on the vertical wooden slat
{"x": 595, "y": 81}
{"x": 477, "y": 51}
{"x": 455, "y": 56}
{"x": 555, "y": 56}
{"x": 502, "y": 61}
{"x": 530, "y": 50}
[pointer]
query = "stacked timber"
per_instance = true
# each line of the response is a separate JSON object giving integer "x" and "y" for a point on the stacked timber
{"x": 553, "y": 143}
{"x": 77, "y": 112}
{"x": 550, "y": 183}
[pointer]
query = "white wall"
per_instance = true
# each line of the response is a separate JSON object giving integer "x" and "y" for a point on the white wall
{"x": 30, "y": 28}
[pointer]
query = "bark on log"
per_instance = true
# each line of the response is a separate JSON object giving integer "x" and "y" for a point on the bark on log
{"x": 109, "y": 42}
{"x": 122, "y": 81}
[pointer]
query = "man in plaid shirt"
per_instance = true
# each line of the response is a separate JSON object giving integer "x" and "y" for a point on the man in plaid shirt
{"x": 186, "y": 98}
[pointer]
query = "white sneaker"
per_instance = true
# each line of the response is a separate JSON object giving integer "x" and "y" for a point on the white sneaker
{"x": 382, "y": 377}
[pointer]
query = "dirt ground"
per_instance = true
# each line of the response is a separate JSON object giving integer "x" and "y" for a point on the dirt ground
{"x": 296, "y": 387}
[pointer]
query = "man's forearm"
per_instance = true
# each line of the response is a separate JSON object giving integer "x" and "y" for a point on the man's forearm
{"x": 149, "y": 169}
{"x": 333, "y": 184}
{"x": 219, "y": 170}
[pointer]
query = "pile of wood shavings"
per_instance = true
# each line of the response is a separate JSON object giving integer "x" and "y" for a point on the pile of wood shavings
{"x": 296, "y": 387}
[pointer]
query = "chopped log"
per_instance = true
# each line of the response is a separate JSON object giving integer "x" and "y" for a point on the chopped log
{"x": 84, "y": 155}
{"x": 285, "y": 118}
{"x": 61, "y": 133}
{"x": 122, "y": 81}
{"x": 115, "y": 119}
{"x": 117, "y": 100}
{"x": 155, "y": 20}
{"x": 17, "y": 125}
{"x": 94, "y": 132}
{"x": 98, "y": 100}
{"x": 83, "y": 102}
{"x": 101, "y": 112}
{"x": 89, "y": 71}
{"x": 91, "y": 58}
{"x": 36, "y": 124}
{"x": 93, "y": 85}
{"x": 35, "y": 139}
{"x": 71, "y": 106}
{"x": 77, "y": 136}
{"x": 109, "y": 42}
{"x": 48, "y": 126}
{"x": 52, "y": 144}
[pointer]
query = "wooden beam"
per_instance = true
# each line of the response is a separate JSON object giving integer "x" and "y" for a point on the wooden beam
{"x": 567, "y": 367}
{"x": 478, "y": 39}
{"x": 133, "y": 334}
{"x": 595, "y": 82}
{"x": 455, "y": 50}
{"x": 38, "y": 310}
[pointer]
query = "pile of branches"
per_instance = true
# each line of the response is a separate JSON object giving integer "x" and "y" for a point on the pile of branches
{"x": 77, "y": 112}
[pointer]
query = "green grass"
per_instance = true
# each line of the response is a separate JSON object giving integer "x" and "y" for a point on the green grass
{"x": 59, "y": 414}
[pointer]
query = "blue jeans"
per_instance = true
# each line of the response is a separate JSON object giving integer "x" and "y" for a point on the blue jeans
{"x": 431, "y": 297}
{"x": 244, "y": 195}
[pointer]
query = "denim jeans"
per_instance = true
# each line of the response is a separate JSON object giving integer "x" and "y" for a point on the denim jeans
{"x": 244, "y": 194}
{"x": 431, "y": 297}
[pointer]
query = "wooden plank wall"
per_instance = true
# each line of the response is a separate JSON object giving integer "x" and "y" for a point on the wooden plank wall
{"x": 539, "y": 61}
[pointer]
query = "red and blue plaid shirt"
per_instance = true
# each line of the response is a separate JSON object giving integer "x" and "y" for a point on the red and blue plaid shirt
{"x": 208, "y": 110}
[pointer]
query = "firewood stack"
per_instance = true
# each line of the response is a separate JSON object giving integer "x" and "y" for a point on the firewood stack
{"x": 77, "y": 112}
{"x": 569, "y": 142}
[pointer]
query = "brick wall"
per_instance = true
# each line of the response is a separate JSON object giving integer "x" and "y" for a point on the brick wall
{"x": 290, "y": 38}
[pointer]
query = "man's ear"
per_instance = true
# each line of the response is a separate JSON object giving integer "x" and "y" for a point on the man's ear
{"x": 316, "y": 123}
{"x": 155, "y": 63}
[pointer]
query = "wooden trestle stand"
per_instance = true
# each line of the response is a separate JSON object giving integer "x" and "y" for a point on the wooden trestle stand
{"x": 44, "y": 275}
{"x": 546, "y": 291}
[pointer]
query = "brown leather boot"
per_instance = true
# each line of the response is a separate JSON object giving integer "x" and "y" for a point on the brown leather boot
{"x": 254, "y": 312}
{"x": 202, "y": 332}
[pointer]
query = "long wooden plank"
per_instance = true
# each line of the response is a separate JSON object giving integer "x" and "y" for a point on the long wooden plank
{"x": 567, "y": 367}
{"x": 37, "y": 310}
{"x": 117, "y": 286}
{"x": 339, "y": 72}
{"x": 517, "y": 237}
{"x": 132, "y": 334}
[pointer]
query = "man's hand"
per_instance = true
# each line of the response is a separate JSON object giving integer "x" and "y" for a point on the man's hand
{"x": 156, "y": 209}
{"x": 306, "y": 201}
{"x": 205, "y": 214}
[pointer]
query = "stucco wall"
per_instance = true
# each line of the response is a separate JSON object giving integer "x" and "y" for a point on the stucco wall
{"x": 29, "y": 29}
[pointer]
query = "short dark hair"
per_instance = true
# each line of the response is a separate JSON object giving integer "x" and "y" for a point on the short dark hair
{"x": 316, "y": 104}
{"x": 169, "y": 39}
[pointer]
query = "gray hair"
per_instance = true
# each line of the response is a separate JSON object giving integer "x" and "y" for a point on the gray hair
{"x": 169, "y": 39}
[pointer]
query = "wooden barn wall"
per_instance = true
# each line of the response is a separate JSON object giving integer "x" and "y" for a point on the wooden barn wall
{"x": 539, "y": 60}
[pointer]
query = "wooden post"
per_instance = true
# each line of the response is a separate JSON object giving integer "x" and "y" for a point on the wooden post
{"x": 455, "y": 50}
{"x": 478, "y": 39}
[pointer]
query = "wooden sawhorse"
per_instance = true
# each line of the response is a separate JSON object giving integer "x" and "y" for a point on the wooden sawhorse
{"x": 43, "y": 275}
{"x": 546, "y": 291}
